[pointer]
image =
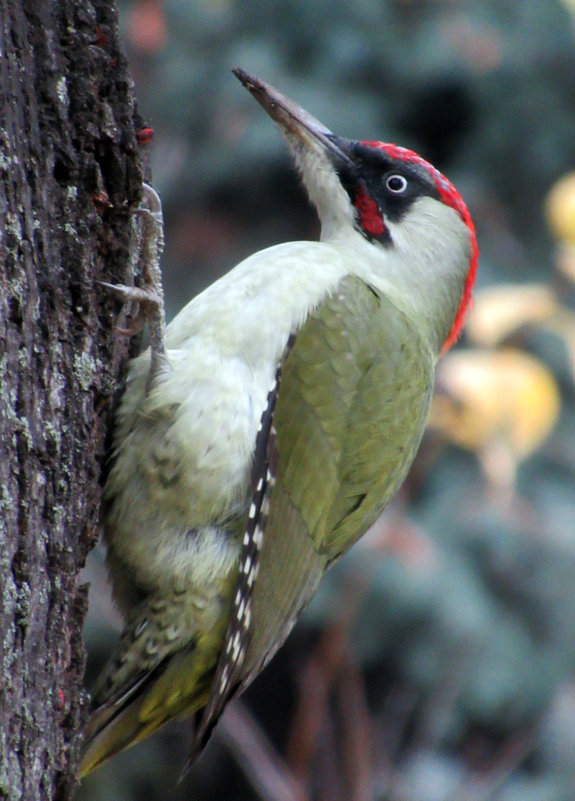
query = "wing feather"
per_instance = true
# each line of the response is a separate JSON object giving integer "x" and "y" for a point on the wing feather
{"x": 228, "y": 673}
{"x": 338, "y": 435}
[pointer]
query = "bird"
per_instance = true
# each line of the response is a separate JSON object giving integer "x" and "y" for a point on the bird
{"x": 268, "y": 425}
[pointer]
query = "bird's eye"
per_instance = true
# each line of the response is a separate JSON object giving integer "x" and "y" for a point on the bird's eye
{"x": 396, "y": 184}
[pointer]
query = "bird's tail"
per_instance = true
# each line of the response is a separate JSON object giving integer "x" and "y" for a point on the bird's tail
{"x": 175, "y": 688}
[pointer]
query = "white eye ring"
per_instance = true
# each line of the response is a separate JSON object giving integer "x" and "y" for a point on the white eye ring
{"x": 396, "y": 184}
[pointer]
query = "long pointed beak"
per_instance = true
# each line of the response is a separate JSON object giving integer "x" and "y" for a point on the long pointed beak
{"x": 292, "y": 119}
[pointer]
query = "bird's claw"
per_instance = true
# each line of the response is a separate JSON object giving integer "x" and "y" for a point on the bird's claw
{"x": 150, "y": 296}
{"x": 148, "y": 301}
{"x": 134, "y": 294}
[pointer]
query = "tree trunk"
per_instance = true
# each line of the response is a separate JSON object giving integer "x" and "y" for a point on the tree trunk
{"x": 69, "y": 181}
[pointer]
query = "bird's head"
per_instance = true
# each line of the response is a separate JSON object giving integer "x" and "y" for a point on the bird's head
{"x": 413, "y": 217}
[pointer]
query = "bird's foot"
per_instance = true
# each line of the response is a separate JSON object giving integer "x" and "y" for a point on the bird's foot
{"x": 149, "y": 297}
{"x": 149, "y": 305}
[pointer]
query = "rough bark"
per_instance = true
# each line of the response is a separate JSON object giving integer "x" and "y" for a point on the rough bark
{"x": 69, "y": 181}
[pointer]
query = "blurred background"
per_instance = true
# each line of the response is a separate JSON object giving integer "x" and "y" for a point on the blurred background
{"x": 437, "y": 662}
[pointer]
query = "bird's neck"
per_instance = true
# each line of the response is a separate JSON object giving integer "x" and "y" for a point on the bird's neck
{"x": 420, "y": 274}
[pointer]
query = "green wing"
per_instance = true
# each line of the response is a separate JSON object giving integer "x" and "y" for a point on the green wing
{"x": 350, "y": 413}
{"x": 341, "y": 429}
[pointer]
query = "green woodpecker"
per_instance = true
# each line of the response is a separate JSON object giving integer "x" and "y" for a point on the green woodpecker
{"x": 269, "y": 425}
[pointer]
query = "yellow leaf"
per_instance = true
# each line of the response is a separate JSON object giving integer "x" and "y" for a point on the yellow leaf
{"x": 500, "y": 404}
{"x": 560, "y": 209}
{"x": 500, "y": 310}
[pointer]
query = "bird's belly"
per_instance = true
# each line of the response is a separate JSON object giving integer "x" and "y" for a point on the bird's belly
{"x": 180, "y": 484}
{"x": 199, "y": 469}
{"x": 201, "y": 465}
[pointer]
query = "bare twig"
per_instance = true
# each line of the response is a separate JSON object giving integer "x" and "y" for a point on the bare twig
{"x": 267, "y": 772}
{"x": 358, "y": 732}
{"x": 318, "y": 677}
{"x": 481, "y": 786}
